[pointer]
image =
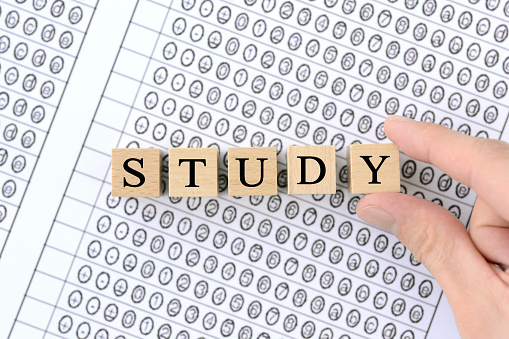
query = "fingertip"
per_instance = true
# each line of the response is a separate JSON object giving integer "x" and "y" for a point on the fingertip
{"x": 415, "y": 138}
{"x": 376, "y": 199}
{"x": 362, "y": 202}
{"x": 398, "y": 119}
{"x": 403, "y": 206}
{"x": 365, "y": 201}
{"x": 394, "y": 125}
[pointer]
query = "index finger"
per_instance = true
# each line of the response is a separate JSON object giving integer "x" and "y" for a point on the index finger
{"x": 482, "y": 164}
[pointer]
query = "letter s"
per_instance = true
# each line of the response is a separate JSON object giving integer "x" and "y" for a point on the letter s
{"x": 134, "y": 172}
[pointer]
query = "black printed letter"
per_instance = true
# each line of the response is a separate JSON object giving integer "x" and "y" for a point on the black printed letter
{"x": 192, "y": 169}
{"x": 303, "y": 170}
{"x": 134, "y": 172}
{"x": 243, "y": 171}
{"x": 374, "y": 171}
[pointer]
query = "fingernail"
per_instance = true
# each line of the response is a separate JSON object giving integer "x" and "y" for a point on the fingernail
{"x": 379, "y": 217}
{"x": 399, "y": 118}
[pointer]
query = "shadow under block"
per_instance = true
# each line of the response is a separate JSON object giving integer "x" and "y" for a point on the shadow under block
{"x": 245, "y": 171}
{"x": 311, "y": 169}
{"x": 373, "y": 168}
{"x": 192, "y": 172}
{"x": 136, "y": 172}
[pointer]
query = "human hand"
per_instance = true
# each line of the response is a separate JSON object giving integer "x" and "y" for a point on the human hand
{"x": 462, "y": 262}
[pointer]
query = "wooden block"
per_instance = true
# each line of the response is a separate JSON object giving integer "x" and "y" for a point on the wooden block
{"x": 136, "y": 172}
{"x": 311, "y": 169}
{"x": 245, "y": 176}
{"x": 373, "y": 168}
{"x": 192, "y": 172}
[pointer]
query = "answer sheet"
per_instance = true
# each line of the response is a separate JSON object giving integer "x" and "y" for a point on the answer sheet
{"x": 82, "y": 77}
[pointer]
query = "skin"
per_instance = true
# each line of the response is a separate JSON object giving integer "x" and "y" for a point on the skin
{"x": 463, "y": 262}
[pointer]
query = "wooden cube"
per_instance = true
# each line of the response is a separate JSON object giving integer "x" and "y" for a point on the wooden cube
{"x": 252, "y": 171}
{"x": 192, "y": 172}
{"x": 311, "y": 169}
{"x": 136, "y": 172}
{"x": 373, "y": 168}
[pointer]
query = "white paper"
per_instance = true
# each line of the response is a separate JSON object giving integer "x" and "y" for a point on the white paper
{"x": 82, "y": 264}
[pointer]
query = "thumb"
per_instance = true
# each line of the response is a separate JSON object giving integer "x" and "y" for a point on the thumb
{"x": 434, "y": 236}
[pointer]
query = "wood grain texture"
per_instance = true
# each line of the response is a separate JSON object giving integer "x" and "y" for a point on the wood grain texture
{"x": 360, "y": 176}
{"x": 312, "y": 171}
{"x": 252, "y": 170}
{"x": 205, "y": 172}
{"x": 152, "y": 159}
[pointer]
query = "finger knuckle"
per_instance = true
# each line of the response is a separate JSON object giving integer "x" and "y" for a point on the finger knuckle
{"x": 427, "y": 245}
